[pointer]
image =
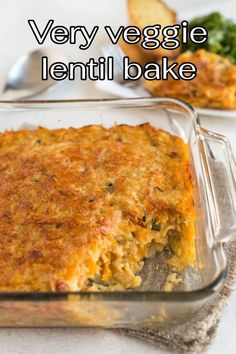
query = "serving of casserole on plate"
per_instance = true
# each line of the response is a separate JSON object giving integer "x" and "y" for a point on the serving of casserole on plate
{"x": 107, "y": 208}
{"x": 213, "y": 91}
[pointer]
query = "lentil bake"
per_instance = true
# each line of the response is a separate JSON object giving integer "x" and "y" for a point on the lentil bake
{"x": 213, "y": 87}
{"x": 81, "y": 209}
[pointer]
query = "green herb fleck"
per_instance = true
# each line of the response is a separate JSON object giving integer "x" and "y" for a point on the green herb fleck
{"x": 144, "y": 218}
{"x": 159, "y": 189}
{"x": 155, "y": 225}
{"x": 97, "y": 280}
{"x": 129, "y": 237}
{"x": 110, "y": 187}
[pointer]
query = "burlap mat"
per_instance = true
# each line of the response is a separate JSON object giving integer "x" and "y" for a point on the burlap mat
{"x": 193, "y": 336}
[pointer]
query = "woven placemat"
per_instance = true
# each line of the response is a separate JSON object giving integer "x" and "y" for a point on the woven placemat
{"x": 196, "y": 335}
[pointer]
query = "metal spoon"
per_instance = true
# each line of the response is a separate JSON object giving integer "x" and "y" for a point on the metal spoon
{"x": 24, "y": 79}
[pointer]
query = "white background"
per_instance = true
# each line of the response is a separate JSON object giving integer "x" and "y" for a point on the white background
{"x": 15, "y": 39}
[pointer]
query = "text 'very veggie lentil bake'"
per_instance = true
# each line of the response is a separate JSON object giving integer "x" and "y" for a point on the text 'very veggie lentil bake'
{"x": 80, "y": 209}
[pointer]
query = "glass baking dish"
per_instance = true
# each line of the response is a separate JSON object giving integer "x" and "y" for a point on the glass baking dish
{"x": 214, "y": 171}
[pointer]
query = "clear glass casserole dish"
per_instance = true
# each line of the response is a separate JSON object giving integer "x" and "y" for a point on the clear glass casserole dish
{"x": 214, "y": 171}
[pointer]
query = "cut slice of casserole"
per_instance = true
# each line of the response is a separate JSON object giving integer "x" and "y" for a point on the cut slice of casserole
{"x": 80, "y": 209}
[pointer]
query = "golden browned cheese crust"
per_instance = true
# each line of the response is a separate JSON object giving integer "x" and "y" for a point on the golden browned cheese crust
{"x": 81, "y": 208}
{"x": 213, "y": 87}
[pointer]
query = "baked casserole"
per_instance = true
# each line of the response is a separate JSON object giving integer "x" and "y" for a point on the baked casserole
{"x": 213, "y": 87}
{"x": 81, "y": 208}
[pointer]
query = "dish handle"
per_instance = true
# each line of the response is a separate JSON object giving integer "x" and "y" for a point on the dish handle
{"x": 220, "y": 167}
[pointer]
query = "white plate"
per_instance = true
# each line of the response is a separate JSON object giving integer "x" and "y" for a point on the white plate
{"x": 121, "y": 91}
